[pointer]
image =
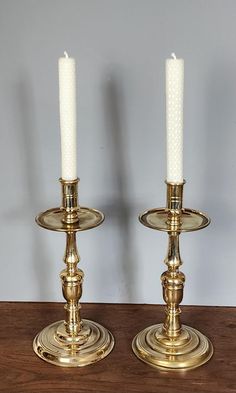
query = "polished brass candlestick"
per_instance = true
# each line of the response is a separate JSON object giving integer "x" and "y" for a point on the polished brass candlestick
{"x": 74, "y": 341}
{"x": 171, "y": 345}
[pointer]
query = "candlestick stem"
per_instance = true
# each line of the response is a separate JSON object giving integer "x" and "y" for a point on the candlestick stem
{"x": 173, "y": 283}
{"x": 72, "y": 279}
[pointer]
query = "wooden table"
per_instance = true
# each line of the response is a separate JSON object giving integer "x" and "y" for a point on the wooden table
{"x": 21, "y": 371}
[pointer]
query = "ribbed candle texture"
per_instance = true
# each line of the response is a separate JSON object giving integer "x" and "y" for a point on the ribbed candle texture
{"x": 174, "y": 118}
{"x": 67, "y": 101}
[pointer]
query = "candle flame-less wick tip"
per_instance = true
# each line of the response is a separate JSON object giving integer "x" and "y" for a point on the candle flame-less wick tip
{"x": 174, "y": 56}
{"x": 66, "y": 54}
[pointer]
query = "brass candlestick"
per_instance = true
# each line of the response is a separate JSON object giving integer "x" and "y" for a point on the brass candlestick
{"x": 171, "y": 345}
{"x": 74, "y": 342}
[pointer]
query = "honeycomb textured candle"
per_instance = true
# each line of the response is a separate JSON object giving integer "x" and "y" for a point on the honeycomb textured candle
{"x": 67, "y": 99}
{"x": 174, "y": 118}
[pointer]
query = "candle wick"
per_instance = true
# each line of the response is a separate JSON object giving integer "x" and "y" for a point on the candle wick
{"x": 66, "y": 54}
{"x": 173, "y": 55}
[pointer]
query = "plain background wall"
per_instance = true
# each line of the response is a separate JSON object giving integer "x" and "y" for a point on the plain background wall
{"x": 120, "y": 47}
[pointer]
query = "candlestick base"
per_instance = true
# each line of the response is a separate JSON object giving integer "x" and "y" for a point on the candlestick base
{"x": 54, "y": 345}
{"x": 190, "y": 350}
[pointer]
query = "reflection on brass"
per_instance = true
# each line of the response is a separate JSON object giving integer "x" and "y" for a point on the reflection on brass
{"x": 172, "y": 346}
{"x": 74, "y": 342}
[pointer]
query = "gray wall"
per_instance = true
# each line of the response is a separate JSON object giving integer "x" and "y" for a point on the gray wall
{"x": 120, "y": 47}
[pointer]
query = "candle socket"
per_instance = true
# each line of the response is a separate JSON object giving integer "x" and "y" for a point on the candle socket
{"x": 174, "y": 202}
{"x": 74, "y": 342}
{"x": 171, "y": 345}
{"x": 70, "y": 200}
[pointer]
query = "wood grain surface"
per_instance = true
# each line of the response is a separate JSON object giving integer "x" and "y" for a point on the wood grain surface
{"x": 21, "y": 371}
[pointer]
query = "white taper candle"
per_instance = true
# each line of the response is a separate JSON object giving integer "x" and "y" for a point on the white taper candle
{"x": 174, "y": 118}
{"x": 67, "y": 100}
